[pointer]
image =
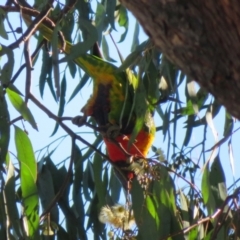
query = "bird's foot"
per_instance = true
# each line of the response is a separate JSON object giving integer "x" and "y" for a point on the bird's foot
{"x": 79, "y": 120}
{"x": 112, "y": 131}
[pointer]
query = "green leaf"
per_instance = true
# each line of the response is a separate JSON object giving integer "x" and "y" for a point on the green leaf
{"x": 209, "y": 235}
{"x": 188, "y": 110}
{"x": 134, "y": 57}
{"x": 1, "y": 52}
{"x": 3, "y": 32}
{"x": 55, "y": 65}
{"x": 101, "y": 21}
{"x": 12, "y": 210}
{"x": 164, "y": 194}
{"x": 89, "y": 152}
{"x": 21, "y": 107}
{"x": 62, "y": 102}
{"x": 50, "y": 85}
{"x": 72, "y": 68}
{"x": 138, "y": 202}
{"x": 105, "y": 50}
{"x": 189, "y": 126}
{"x": 115, "y": 187}
{"x": 7, "y": 70}
{"x": 152, "y": 209}
{"x": 3, "y": 218}
{"x": 4, "y": 128}
{"x": 228, "y": 126}
{"x": 68, "y": 23}
{"x": 123, "y": 21}
{"x": 194, "y": 233}
{"x": 88, "y": 181}
{"x": 93, "y": 222}
{"x": 62, "y": 234}
{"x": 80, "y": 85}
{"x": 202, "y": 96}
{"x": 155, "y": 214}
{"x": 82, "y": 47}
{"x": 184, "y": 210}
{"x": 166, "y": 122}
{"x": 150, "y": 225}
{"x": 135, "y": 41}
{"x": 46, "y": 72}
{"x": 151, "y": 84}
{"x": 28, "y": 177}
{"x": 217, "y": 182}
{"x": 97, "y": 172}
{"x": 110, "y": 10}
{"x": 140, "y": 109}
{"x": 77, "y": 196}
{"x": 46, "y": 192}
{"x": 14, "y": 89}
{"x": 169, "y": 72}
{"x": 78, "y": 163}
{"x": 207, "y": 192}
{"x": 58, "y": 180}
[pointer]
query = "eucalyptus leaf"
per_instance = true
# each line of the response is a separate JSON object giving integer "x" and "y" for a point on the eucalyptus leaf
{"x": 4, "y": 129}
{"x": 21, "y": 107}
{"x": 28, "y": 177}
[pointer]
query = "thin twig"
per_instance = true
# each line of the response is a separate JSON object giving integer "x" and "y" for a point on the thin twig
{"x": 15, "y": 120}
{"x": 220, "y": 223}
{"x": 10, "y": 26}
{"x": 67, "y": 129}
{"x": 216, "y": 214}
{"x": 70, "y": 4}
{"x": 32, "y": 12}
{"x": 31, "y": 29}
{"x": 178, "y": 175}
{"x": 118, "y": 51}
{"x": 95, "y": 128}
{"x": 186, "y": 230}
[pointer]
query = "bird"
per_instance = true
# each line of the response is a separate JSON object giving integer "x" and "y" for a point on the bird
{"x": 118, "y": 105}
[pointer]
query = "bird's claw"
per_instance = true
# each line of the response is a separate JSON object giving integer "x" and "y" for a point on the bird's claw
{"x": 113, "y": 131}
{"x": 79, "y": 120}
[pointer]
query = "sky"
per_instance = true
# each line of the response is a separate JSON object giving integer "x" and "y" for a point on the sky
{"x": 41, "y": 138}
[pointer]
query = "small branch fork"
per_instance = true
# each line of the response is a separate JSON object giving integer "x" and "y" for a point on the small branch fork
{"x": 220, "y": 215}
{"x": 65, "y": 127}
{"x": 32, "y": 28}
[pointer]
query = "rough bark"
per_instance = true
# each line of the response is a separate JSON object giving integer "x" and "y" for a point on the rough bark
{"x": 202, "y": 37}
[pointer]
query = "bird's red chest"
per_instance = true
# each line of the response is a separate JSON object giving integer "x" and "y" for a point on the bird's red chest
{"x": 119, "y": 150}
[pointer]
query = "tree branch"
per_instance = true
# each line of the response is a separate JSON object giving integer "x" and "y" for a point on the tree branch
{"x": 31, "y": 29}
{"x": 67, "y": 129}
{"x": 201, "y": 38}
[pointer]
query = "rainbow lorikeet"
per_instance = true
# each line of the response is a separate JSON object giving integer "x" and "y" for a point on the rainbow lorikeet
{"x": 112, "y": 106}
{"x": 126, "y": 122}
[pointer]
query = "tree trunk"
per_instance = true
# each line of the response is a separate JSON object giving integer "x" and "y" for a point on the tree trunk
{"x": 202, "y": 37}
